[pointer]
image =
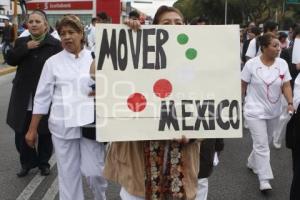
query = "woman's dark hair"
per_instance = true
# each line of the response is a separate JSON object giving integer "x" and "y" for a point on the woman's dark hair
{"x": 134, "y": 14}
{"x": 282, "y": 35}
{"x": 270, "y": 26}
{"x": 102, "y": 16}
{"x": 164, "y": 9}
{"x": 199, "y": 20}
{"x": 74, "y": 22}
{"x": 265, "y": 40}
{"x": 255, "y": 30}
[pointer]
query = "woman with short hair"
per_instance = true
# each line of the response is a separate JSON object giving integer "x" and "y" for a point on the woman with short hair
{"x": 264, "y": 79}
{"x": 29, "y": 55}
{"x": 65, "y": 85}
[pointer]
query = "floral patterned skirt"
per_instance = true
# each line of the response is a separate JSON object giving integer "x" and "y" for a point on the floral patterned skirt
{"x": 164, "y": 170}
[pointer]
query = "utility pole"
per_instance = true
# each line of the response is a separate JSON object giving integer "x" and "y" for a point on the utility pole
{"x": 225, "y": 12}
{"x": 283, "y": 8}
{"x": 15, "y": 19}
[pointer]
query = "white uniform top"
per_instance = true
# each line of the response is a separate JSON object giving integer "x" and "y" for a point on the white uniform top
{"x": 251, "y": 51}
{"x": 296, "y": 99}
{"x": 263, "y": 96}
{"x": 92, "y": 38}
{"x": 65, "y": 82}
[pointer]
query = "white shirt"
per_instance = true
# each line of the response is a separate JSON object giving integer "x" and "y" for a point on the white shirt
{"x": 296, "y": 50}
{"x": 64, "y": 83}
{"x": 296, "y": 99}
{"x": 251, "y": 51}
{"x": 25, "y": 33}
{"x": 92, "y": 38}
{"x": 264, "y": 89}
{"x": 55, "y": 35}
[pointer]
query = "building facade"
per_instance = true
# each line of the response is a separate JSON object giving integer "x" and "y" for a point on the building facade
{"x": 84, "y": 9}
{"x": 5, "y": 7}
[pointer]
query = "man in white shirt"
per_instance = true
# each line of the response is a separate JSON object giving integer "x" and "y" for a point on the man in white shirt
{"x": 90, "y": 34}
{"x": 253, "y": 49}
{"x": 101, "y": 18}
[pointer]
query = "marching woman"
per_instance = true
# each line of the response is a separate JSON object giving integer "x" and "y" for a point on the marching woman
{"x": 64, "y": 84}
{"x": 144, "y": 169}
{"x": 264, "y": 79}
{"x": 29, "y": 55}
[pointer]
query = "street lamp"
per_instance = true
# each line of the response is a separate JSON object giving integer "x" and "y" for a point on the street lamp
{"x": 225, "y": 12}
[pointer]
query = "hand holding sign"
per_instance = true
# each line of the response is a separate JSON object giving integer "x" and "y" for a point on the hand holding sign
{"x": 133, "y": 24}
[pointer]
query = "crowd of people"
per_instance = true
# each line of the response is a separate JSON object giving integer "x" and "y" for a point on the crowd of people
{"x": 55, "y": 67}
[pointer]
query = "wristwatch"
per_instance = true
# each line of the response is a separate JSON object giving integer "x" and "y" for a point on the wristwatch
{"x": 290, "y": 103}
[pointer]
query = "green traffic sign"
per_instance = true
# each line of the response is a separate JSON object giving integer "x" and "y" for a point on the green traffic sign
{"x": 293, "y": 1}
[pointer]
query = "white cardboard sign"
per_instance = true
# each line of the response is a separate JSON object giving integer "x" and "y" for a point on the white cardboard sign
{"x": 163, "y": 82}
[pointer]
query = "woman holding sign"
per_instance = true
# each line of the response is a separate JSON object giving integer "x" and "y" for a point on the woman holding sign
{"x": 64, "y": 84}
{"x": 265, "y": 78}
{"x": 155, "y": 169}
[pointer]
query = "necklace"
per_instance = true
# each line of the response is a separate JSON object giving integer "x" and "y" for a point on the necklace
{"x": 271, "y": 83}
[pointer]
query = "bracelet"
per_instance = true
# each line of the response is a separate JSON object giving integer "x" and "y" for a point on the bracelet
{"x": 290, "y": 104}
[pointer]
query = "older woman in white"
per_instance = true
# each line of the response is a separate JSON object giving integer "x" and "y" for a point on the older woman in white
{"x": 64, "y": 83}
{"x": 264, "y": 79}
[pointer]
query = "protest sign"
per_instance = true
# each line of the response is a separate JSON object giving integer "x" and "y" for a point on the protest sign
{"x": 163, "y": 82}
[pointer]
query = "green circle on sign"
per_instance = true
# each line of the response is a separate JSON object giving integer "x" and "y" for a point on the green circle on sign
{"x": 182, "y": 38}
{"x": 191, "y": 53}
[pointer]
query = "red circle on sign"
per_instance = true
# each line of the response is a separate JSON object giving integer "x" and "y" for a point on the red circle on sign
{"x": 162, "y": 88}
{"x": 136, "y": 102}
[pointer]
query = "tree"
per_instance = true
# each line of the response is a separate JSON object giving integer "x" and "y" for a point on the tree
{"x": 187, "y": 8}
{"x": 239, "y": 11}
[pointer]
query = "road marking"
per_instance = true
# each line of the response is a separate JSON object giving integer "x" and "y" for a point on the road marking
{"x": 52, "y": 191}
{"x": 7, "y": 70}
{"x": 35, "y": 182}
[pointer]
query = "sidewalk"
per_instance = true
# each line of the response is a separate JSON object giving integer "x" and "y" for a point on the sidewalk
{"x": 5, "y": 68}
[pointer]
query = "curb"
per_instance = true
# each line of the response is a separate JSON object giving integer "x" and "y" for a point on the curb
{"x": 7, "y": 70}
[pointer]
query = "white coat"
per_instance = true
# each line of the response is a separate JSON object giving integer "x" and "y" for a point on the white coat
{"x": 64, "y": 83}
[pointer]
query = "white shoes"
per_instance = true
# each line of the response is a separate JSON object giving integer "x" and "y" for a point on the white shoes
{"x": 264, "y": 185}
{"x": 276, "y": 145}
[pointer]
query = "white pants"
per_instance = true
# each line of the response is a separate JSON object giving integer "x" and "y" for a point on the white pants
{"x": 77, "y": 157}
{"x": 279, "y": 132}
{"x": 202, "y": 189}
{"x": 262, "y": 134}
{"x": 126, "y": 196}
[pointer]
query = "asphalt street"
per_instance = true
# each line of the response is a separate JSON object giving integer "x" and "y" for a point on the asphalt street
{"x": 231, "y": 180}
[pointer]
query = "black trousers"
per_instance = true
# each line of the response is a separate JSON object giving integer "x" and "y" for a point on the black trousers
{"x": 295, "y": 187}
{"x": 32, "y": 157}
